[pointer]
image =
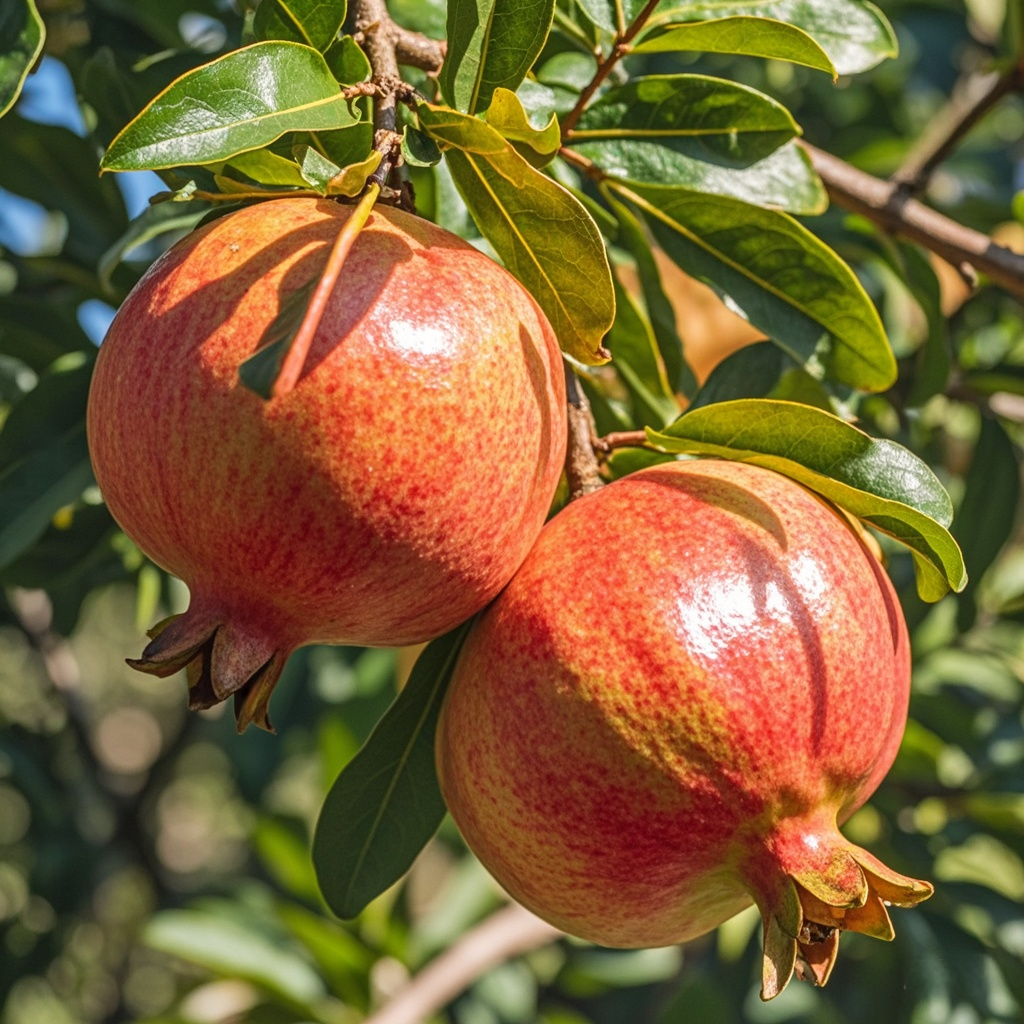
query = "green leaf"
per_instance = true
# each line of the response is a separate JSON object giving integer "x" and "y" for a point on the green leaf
{"x": 242, "y": 101}
{"x": 603, "y": 12}
{"x": 418, "y": 148}
{"x": 347, "y": 61}
{"x": 637, "y": 361}
{"x": 542, "y": 233}
{"x": 64, "y": 552}
{"x": 352, "y": 179}
{"x": 266, "y": 168}
{"x": 316, "y": 169}
{"x": 21, "y": 43}
{"x": 315, "y": 23}
{"x": 882, "y": 483}
{"x": 44, "y": 457}
{"x": 507, "y": 114}
{"x": 156, "y": 220}
{"x": 34, "y": 488}
{"x": 754, "y": 37}
{"x": 779, "y": 275}
{"x": 987, "y": 513}
{"x": 659, "y": 308}
{"x": 386, "y": 804}
{"x": 491, "y": 43}
{"x": 750, "y": 372}
{"x": 730, "y": 121}
{"x": 701, "y": 133}
{"x": 236, "y": 949}
{"x": 259, "y": 372}
{"x": 854, "y": 34}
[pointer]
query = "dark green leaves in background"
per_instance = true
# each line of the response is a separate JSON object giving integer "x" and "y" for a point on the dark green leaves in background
{"x": 21, "y": 42}
{"x": 386, "y": 804}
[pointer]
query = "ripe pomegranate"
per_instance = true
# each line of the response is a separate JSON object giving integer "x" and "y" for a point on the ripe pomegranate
{"x": 389, "y": 496}
{"x": 697, "y": 673}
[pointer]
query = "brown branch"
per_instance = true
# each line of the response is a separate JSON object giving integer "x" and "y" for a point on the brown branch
{"x": 582, "y": 469}
{"x": 971, "y": 100}
{"x": 604, "y": 69}
{"x": 622, "y": 439}
{"x": 418, "y": 51}
{"x": 510, "y": 932}
{"x": 884, "y": 203}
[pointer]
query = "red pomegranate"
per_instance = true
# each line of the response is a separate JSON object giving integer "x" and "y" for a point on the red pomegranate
{"x": 389, "y": 496}
{"x": 696, "y": 674}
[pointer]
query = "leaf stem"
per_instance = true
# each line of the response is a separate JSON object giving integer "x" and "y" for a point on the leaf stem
{"x": 582, "y": 470}
{"x": 620, "y": 48}
{"x": 291, "y": 366}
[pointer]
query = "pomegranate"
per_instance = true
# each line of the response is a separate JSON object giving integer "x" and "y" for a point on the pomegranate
{"x": 386, "y": 498}
{"x": 698, "y": 672}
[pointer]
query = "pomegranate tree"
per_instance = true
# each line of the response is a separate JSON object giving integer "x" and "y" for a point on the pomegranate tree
{"x": 696, "y": 675}
{"x": 383, "y": 500}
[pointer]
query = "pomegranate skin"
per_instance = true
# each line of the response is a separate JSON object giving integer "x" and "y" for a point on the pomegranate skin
{"x": 389, "y": 496}
{"x": 697, "y": 673}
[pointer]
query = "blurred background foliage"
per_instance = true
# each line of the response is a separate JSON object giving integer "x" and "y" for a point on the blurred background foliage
{"x": 155, "y": 867}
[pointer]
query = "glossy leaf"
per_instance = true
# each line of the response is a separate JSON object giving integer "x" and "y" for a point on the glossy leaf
{"x": 704, "y": 134}
{"x": 882, "y": 483}
{"x": 312, "y": 22}
{"x": 540, "y": 230}
{"x": 352, "y": 179}
{"x": 507, "y": 114}
{"x": 659, "y": 309}
{"x": 385, "y": 805}
{"x": 239, "y": 102}
{"x": 21, "y": 43}
{"x": 491, "y": 43}
{"x": 267, "y": 168}
{"x": 853, "y": 33}
{"x": 781, "y": 277}
{"x": 753, "y": 37}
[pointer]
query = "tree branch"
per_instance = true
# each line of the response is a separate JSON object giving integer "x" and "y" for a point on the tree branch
{"x": 604, "y": 68}
{"x": 884, "y": 203}
{"x": 971, "y": 100}
{"x": 508, "y": 933}
{"x": 582, "y": 469}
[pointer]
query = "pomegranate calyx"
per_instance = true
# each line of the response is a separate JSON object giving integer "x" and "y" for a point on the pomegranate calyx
{"x": 851, "y": 895}
{"x": 220, "y": 660}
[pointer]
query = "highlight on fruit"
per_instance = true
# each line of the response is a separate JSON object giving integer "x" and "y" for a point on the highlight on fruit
{"x": 699, "y": 672}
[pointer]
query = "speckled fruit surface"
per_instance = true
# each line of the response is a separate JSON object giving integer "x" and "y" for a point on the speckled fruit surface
{"x": 697, "y": 672}
{"x": 385, "y": 499}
